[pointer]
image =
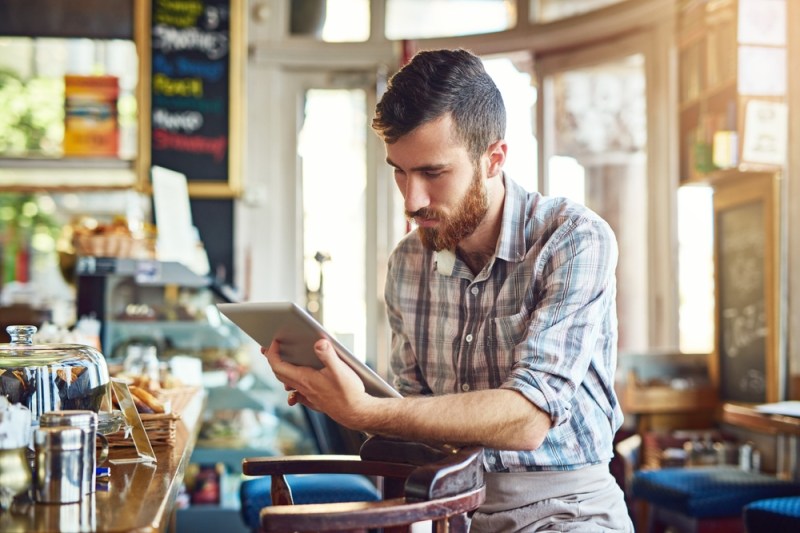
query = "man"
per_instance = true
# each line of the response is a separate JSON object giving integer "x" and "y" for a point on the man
{"x": 502, "y": 308}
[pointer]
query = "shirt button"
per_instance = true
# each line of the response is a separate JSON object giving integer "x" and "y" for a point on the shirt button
{"x": 465, "y": 387}
{"x": 474, "y": 290}
{"x": 492, "y": 459}
{"x": 468, "y": 338}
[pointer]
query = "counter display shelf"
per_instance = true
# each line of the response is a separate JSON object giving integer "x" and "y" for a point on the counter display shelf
{"x": 166, "y": 305}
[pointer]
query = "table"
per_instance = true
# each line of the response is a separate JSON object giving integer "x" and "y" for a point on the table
{"x": 139, "y": 497}
{"x": 785, "y": 428}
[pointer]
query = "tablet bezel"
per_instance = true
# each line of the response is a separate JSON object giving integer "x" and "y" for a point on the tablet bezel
{"x": 297, "y": 331}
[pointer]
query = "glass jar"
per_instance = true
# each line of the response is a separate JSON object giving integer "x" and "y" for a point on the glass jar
{"x": 52, "y": 377}
{"x": 142, "y": 360}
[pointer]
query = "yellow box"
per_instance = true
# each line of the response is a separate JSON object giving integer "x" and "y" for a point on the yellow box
{"x": 90, "y": 116}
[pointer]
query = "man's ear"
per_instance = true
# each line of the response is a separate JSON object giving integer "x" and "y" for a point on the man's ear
{"x": 497, "y": 157}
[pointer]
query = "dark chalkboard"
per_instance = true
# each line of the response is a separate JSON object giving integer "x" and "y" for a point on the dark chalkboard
{"x": 193, "y": 73}
{"x": 743, "y": 326}
{"x": 745, "y": 253}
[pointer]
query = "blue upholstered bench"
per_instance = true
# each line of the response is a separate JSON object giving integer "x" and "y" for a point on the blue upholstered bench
{"x": 310, "y": 488}
{"x": 773, "y": 515}
{"x": 691, "y": 497}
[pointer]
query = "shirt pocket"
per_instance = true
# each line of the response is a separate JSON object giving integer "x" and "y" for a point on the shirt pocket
{"x": 508, "y": 331}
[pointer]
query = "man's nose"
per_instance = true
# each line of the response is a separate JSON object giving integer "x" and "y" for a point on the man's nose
{"x": 415, "y": 194}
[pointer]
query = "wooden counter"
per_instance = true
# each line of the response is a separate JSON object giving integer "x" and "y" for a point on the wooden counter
{"x": 139, "y": 497}
{"x": 785, "y": 428}
{"x": 748, "y": 416}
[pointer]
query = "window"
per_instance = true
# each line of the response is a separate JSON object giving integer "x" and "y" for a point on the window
{"x": 419, "y": 19}
{"x": 542, "y": 11}
{"x": 331, "y": 21}
{"x": 599, "y": 158}
{"x": 696, "y": 269}
{"x": 32, "y": 74}
{"x": 519, "y": 95}
{"x": 331, "y": 146}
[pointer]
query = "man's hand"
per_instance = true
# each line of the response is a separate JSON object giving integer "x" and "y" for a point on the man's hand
{"x": 335, "y": 389}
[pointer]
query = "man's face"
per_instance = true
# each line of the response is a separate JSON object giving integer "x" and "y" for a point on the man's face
{"x": 443, "y": 191}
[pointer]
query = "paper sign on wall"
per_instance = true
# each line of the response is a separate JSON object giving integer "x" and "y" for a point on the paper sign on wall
{"x": 765, "y": 133}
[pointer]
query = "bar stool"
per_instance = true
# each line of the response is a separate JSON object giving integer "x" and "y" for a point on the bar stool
{"x": 773, "y": 515}
{"x": 703, "y": 499}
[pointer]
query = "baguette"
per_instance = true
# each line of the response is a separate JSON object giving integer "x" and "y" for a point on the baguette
{"x": 141, "y": 407}
{"x": 146, "y": 398}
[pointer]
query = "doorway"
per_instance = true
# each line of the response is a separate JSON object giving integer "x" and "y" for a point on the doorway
{"x": 344, "y": 206}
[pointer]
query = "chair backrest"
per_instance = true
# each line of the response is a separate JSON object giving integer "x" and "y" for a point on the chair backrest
{"x": 421, "y": 483}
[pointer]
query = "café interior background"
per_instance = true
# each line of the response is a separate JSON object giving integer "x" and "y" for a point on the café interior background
{"x": 597, "y": 98}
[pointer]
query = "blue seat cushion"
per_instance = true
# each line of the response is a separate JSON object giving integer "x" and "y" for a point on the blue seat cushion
{"x": 708, "y": 492}
{"x": 306, "y": 488}
{"x": 774, "y": 514}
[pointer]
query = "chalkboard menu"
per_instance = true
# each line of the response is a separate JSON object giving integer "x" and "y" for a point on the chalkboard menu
{"x": 746, "y": 286}
{"x": 194, "y": 68}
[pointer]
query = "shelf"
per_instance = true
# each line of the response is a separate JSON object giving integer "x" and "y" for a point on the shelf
{"x": 32, "y": 174}
{"x": 712, "y": 84}
{"x": 146, "y": 272}
{"x": 716, "y": 177}
{"x": 60, "y": 163}
{"x": 67, "y": 174}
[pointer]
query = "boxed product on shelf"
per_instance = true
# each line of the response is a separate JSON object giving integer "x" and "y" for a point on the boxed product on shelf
{"x": 90, "y": 116}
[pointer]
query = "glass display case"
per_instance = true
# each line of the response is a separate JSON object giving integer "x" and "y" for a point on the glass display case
{"x": 160, "y": 303}
{"x": 167, "y": 306}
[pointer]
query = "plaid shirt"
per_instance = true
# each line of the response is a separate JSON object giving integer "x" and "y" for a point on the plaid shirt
{"x": 540, "y": 318}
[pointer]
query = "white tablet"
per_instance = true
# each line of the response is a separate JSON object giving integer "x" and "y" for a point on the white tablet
{"x": 297, "y": 331}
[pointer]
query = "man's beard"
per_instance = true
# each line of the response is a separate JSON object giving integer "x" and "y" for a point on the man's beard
{"x": 465, "y": 219}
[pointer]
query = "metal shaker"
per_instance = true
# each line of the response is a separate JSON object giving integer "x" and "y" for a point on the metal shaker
{"x": 86, "y": 421}
{"x": 58, "y": 464}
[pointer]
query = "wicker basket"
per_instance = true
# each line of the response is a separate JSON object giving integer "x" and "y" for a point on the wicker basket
{"x": 161, "y": 429}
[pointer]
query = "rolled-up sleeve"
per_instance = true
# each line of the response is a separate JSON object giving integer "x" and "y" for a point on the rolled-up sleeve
{"x": 572, "y": 319}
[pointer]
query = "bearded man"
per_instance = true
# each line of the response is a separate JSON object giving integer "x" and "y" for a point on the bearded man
{"x": 502, "y": 309}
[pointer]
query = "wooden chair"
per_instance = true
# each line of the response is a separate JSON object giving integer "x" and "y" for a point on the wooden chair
{"x": 419, "y": 483}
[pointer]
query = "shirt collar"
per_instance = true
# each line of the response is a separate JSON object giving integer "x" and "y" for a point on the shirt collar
{"x": 511, "y": 242}
{"x": 511, "y": 245}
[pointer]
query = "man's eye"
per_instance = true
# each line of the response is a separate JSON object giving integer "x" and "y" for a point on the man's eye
{"x": 433, "y": 173}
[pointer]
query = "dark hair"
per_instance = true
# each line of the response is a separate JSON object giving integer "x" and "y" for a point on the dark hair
{"x": 438, "y": 82}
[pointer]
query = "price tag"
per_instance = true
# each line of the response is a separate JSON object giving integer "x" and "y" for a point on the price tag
{"x": 140, "y": 439}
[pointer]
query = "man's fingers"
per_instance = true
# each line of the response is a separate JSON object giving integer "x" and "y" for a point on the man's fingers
{"x": 327, "y": 355}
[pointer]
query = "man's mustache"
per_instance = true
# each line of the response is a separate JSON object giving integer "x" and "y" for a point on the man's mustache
{"x": 425, "y": 213}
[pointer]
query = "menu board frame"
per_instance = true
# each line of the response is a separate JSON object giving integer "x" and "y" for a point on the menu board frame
{"x": 227, "y": 184}
{"x": 747, "y": 365}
